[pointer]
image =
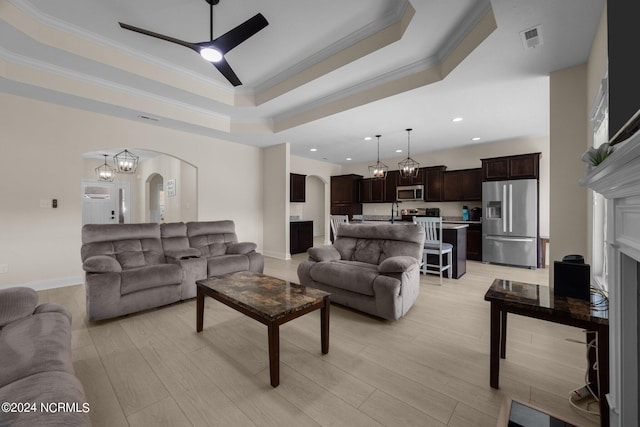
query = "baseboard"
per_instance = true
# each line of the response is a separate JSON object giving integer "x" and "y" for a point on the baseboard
{"x": 43, "y": 285}
{"x": 279, "y": 255}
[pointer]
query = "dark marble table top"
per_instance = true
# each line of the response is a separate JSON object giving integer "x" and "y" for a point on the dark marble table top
{"x": 263, "y": 295}
{"x": 533, "y": 297}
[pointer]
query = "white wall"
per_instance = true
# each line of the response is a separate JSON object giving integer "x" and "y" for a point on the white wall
{"x": 466, "y": 158}
{"x": 276, "y": 201}
{"x": 568, "y": 130}
{"x": 43, "y": 146}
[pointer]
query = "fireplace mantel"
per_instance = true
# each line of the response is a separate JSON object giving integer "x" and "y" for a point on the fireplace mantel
{"x": 619, "y": 174}
{"x": 617, "y": 178}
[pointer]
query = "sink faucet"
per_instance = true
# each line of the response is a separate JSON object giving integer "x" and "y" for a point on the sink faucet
{"x": 397, "y": 207}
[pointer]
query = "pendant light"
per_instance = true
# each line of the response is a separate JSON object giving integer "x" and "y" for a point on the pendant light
{"x": 126, "y": 162}
{"x": 379, "y": 170}
{"x": 105, "y": 172}
{"x": 409, "y": 168}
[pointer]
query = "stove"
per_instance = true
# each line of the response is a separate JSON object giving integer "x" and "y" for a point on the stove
{"x": 408, "y": 214}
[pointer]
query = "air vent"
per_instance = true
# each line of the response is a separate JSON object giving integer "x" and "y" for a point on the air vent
{"x": 532, "y": 37}
{"x": 143, "y": 117}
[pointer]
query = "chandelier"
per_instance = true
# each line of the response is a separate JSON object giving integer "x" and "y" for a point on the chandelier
{"x": 379, "y": 170}
{"x": 408, "y": 167}
{"x": 105, "y": 172}
{"x": 126, "y": 162}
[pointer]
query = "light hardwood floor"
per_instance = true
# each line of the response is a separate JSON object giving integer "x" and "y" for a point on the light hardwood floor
{"x": 431, "y": 368}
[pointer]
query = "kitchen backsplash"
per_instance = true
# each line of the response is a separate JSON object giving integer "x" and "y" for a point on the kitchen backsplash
{"x": 447, "y": 209}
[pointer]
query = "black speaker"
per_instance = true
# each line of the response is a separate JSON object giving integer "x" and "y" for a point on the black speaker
{"x": 572, "y": 277}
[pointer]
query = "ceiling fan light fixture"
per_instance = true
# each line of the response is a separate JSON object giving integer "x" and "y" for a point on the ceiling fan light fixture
{"x": 210, "y": 54}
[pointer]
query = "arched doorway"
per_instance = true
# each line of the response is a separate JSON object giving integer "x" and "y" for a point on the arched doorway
{"x": 154, "y": 197}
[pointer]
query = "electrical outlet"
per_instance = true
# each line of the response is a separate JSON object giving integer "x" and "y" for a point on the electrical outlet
{"x": 4, "y": 268}
{"x": 45, "y": 203}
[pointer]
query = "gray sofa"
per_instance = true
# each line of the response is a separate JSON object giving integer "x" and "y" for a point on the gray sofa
{"x": 372, "y": 268}
{"x": 134, "y": 267}
{"x": 35, "y": 363}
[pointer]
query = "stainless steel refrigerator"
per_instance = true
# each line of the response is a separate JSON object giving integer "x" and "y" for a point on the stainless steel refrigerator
{"x": 510, "y": 222}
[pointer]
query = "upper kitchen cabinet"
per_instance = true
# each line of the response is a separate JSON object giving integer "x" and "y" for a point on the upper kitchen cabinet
{"x": 433, "y": 183}
{"x": 372, "y": 190}
{"x": 462, "y": 185}
{"x": 418, "y": 180}
{"x": 297, "y": 184}
{"x": 345, "y": 195}
{"x": 523, "y": 166}
{"x": 390, "y": 186}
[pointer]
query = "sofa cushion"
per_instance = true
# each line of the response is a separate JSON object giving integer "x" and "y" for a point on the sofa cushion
{"x": 101, "y": 264}
{"x": 16, "y": 303}
{"x": 137, "y": 279}
{"x": 241, "y": 248}
{"x": 354, "y": 276}
{"x": 224, "y": 264}
{"x": 368, "y": 250}
{"x": 34, "y": 344}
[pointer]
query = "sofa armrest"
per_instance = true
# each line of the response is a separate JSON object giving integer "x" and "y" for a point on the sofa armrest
{"x": 16, "y": 303}
{"x": 397, "y": 264}
{"x": 323, "y": 253}
{"x": 49, "y": 307}
{"x": 101, "y": 264}
{"x": 241, "y": 248}
{"x": 184, "y": 253}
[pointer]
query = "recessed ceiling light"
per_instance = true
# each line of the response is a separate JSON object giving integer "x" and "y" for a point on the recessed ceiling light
{"x": 476, "y": 138}
{"x": 367, "y": 138}
{"x": 457, "y": 119}
{"x": 314, "y": 149}
{"x": 348, "y": 158}
{"x": 398, "y": 151}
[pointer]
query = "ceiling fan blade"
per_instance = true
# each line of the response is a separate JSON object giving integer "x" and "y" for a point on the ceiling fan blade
{"x": 192, "y": 46}
{"x": 242, "y": 32}
{"x": 225, "y": 69}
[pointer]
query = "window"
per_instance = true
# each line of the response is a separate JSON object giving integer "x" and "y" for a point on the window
{"x": 600, "y": 120}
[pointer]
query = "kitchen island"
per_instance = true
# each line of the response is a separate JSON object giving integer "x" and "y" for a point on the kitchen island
{"x": 452, "y": 232}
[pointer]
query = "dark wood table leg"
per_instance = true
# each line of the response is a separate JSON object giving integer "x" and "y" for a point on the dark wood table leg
{"x": 603, "y": 373}
{"x": 494, "y": 358}
{"x": 503, "y": 334}
{"x": 274, "y": 354}
{"x": 324, "y": 324}
{"x": 199, "y": 310}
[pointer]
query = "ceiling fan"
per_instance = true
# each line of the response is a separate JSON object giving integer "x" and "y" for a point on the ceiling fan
{"x": 214, "y": 50}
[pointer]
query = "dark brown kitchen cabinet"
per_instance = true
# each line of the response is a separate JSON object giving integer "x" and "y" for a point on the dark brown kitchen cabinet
{"x": 390, "y": 186}
{"x": 462, "y": 185}
{"x": 300, "y": 236}
{"x": 522, "y": 166}
{"x": 345, "y": 191}
{"x": 372, "y": 190}
{"x": 433, "y": 183}
{"x": 474, "y": 242}
{"x": 297, "y": 187}
{"x": 418, "y": 180}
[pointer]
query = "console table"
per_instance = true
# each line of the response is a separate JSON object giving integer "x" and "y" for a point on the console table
{"x": 539, "y": 302}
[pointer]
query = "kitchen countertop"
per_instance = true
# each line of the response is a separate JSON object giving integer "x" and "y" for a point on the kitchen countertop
{"x": 445, "y": 226}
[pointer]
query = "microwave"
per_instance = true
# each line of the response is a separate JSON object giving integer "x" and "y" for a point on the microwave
{"x": 405, "y": 193}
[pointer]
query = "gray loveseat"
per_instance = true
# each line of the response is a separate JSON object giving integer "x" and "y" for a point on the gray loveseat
{"x": 133, "y": 267}
{"x": 372, "y": 268}
{"x": 36, "y": 365}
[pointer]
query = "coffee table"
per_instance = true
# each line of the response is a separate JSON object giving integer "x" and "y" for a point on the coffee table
{"x": 268, "y": 300}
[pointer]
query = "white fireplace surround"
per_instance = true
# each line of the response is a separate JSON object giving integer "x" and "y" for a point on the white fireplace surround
{"x": 618, "y": 180}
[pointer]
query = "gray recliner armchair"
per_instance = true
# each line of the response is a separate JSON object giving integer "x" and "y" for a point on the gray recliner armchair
{"x": 372, "y": 268}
